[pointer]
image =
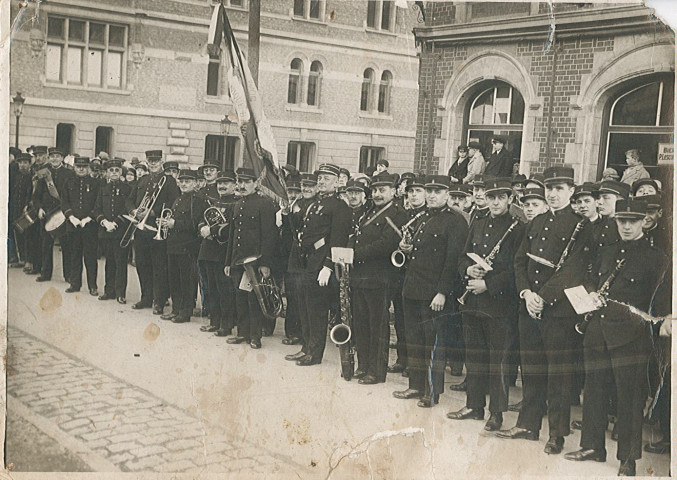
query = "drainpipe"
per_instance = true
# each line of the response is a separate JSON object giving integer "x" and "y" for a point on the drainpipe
{"x": 431, "y": 109}
{"x": 551, "y": 107}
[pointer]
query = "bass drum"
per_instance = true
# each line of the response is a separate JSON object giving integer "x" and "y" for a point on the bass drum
{"x": 25, "y": 221}
{"x": 55, "y": 224}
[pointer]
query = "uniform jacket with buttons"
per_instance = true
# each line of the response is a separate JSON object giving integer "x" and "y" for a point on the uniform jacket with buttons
{"x": 111, "y": 205}
{"x": 148, "y": 184}
{"x": 326, "y": 223}
{"x": 499, "y": 164}
{"x": 213, "y": 249}
{"x": 20, "y": 195}
{"x": 634, "y": 285}
{"x": 547, "y": 236}
{"x": 477, "y": 213}
{"x": 373, "y": 245}
{"x": 79, "y": 197}
{"x": 660, "y": 237}
{"x": 604, "y": 232}
{"x": 500, "y": 299}
{"x": 437, "y": 247}
{"x": 253, "y": 230}
{"x": 41, "y": 196}
{"x": 187, "y": 211}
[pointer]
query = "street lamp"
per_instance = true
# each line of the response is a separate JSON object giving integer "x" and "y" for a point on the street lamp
{"x": 18, "y": 110}
{"x": 225, "y": 125}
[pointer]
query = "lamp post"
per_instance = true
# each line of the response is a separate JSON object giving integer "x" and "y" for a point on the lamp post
{"x": 225, "y": 125}
{"x": 18, "y": 110}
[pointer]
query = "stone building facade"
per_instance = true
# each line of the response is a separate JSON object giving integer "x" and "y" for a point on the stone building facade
{"x": 338, "y": 80}
{"x": 600, "y": 84}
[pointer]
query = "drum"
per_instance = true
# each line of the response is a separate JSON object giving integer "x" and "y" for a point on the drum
{"x": 55, "y": 224}
{"x": 25, "y": 221}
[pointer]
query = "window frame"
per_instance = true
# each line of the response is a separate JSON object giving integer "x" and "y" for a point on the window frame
{"x": 369, "y": 84}
{"x": 317, "y": 75}
{"x": 322, "y": 6}
{"x": 379, "y": 7}
{"x": 299, "y": 97}
{"x": 71, "y": 141}
{"x": 111, "y": 140}
{"x": 219, "y": 75}
{"x": 384, "y": 88}
{"x": 371, "y": 159}
{"x": 299, "y": 146}
{"x": 228, "y": 146}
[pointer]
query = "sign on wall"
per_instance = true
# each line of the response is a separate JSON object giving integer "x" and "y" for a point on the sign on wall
{"x": 666, "y": 153}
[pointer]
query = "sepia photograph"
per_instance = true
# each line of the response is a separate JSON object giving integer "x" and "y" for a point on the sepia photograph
{"x": 337, "y": 239}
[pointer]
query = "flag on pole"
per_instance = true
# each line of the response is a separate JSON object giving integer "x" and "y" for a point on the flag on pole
{"x": 260, "y": 148}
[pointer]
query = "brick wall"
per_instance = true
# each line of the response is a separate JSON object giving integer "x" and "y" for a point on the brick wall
{"x": 440, "y": 13}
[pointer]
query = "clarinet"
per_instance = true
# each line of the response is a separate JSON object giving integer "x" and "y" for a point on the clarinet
{"x": 490, "y": 258}
{"x": 603, "y": 292}
{"x": 565, "y": 253}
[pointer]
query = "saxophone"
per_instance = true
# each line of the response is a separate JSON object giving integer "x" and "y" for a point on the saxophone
{"x": 341, "y": 334}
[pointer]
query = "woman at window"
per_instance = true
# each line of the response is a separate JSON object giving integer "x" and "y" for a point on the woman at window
{"x": 459, "y": 169}
{"x": 635, "y": 169}
{"x": 476, "y": 164}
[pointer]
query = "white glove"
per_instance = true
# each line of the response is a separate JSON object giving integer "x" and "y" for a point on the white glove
{"x": 323, "y": 276}
{"x": 226, "y": 270}
{"x": 41, "y": 214}
{"x": 74, "y": 221}
{"x": 205, "y": 231}
{"x": 108, "y": 225}
{"x": 85, "y": 221}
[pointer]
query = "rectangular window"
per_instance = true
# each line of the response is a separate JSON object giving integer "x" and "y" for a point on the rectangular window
{"x": 372, "y": 5}
{"x": 65, "y": 135}
{"x": 213, "y": 75}
{"x": 300, "y": 154}
{"x": 298, "y": 8}
{"x": 309, "y": 9}
{"x": 314, "y": 9}
{"x": 81, "y": 52}
{"x": 369, "y": 156}
{"x": 385, "y": 15}
{"x": 223, "y": 149}
{"x": 381, "y": 15}
{"x": 104, "y": 140}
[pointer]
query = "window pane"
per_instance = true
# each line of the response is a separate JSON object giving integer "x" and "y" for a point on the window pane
{"x": 639, "y": 107}
{"x": 104, "y": 138}
{"x": 114, "y": 69}
{"x": 305, "y": 160}
{"x": 116, "y": 36}
{"x": 94, "y": 65}
{"x": 483, "y": 137}
{"x": 298, "y": 8}
{"x": 313, "y": 80}
{"x": 385, "y": 16}
{"x": 647, "y": 143}
{"x": 235, "y": 3}
{"x": 74, "y": 65}
{"x": 76, "y": 30}
{"x": 315, "y": 9}
{"x": 97, "y": 33}
{"x": 214, "y": 145}
{"x": 517, "y": 108}
{"x": 213, "y": 77}
{"x": 364, "y": 99}
{"x": 667, "y": 105}
{"x": 481, "y": 112}
{"x": 383, "y": 94}
{"x": 371, "y": 13}
{"x": 291, "y": 154}
{"x": 64, "y": 137}
{"x": 293, "y": 88}
{"x": 502, "y": 105}
{"x": 53, "y": 63}
{"x": 55, "y": 27}
{"x": 231, "y": 151}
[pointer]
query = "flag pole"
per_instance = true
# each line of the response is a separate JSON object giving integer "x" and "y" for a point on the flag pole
{"x": 254, "y": 39}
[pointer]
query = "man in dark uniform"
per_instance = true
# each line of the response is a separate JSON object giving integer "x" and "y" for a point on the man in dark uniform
{"x": 429, "y": 282}
{"x": 151, "y": 255}
{"x": 500, "y": 162}
{"x": 213, "y": 255}
{"x": 604, "y": 230}
{"x": 78, "y": 201}
{"x": 490, "y": 306}
{"x": 479, "y": 208}
{"x": 171, "y": 168}
{"x": 325, "y": 224}
{"x": 371, "y": 279}
{"x": 20, "y": 196}
{"x": 183, "y": 246}
{"x": 645, "y": 186}
{"x": 47, "y": 198}
{"x": 206, "y": 187}
{"x": 253, "y": 233}
{"x": 292, "y": 322}
{"x": 108, "y": 210}
{"x": 533, "y": 202}
{"x": 357, "y": 198}
{"x": 617, "y": 340}
{"x": 655, "y": 228}
{"x": 553, "y": 255}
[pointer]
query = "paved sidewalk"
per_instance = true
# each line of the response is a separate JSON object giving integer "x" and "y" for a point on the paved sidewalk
{"x": 123, "y": 424}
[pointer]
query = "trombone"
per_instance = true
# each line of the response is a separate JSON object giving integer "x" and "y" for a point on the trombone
{"x": 146, "y": 206}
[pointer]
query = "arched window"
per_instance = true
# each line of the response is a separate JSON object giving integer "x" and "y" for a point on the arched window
{"x": 294, "y": 88}
{"x": 314, "y": 83}
{"x": 367, "y": 82}
{"x": 384, "y": 92}
{"x": 496, "y": 108}
{"x": 641, "y": 116}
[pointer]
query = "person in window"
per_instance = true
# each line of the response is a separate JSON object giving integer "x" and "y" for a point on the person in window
{"x": 459, "y": 169}
{"x": 635, "y": 169}
{"x": 500, "y": 163}
{"x": 645, "y": 186}
{"x": 610, "y": 174}
{"x": 476, "y": 164}
{"x": 382, "y": 167}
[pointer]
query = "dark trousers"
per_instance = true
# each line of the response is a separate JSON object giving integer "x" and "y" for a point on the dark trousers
{"x": 83, "y": 243}
{"x": 372, "y": 329}
{"x": 486, "y": 345}
{"x": 221, "y": 297}
{"x": 400, "y": 329}
{"x": 116, "y": 267}
{"x": 629, "y": 366}
{"x": 534, "y": 373}
{"x": 47, "y": 253}
{"x": 249, "y": 315}
{"x": 292, "y": 320}
{"x": 182, "y": 282}
{"x": 511, "y": 360}
{"x": 203, "y": 282}
{"x": 151, "y": 267}
{"x": 425, "y": 350}
{"x": 314, "y": 308}
{"x": 455, "y": 342}
{"x": 33, "y": 247}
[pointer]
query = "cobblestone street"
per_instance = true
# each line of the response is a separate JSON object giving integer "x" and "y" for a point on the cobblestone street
{"x": 112, "y": 389}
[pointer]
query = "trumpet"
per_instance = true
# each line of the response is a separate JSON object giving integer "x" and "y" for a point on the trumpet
{"x": 162, "y": 230}
{"x": 266, "y": 290}
{"x": 146, "y": 206}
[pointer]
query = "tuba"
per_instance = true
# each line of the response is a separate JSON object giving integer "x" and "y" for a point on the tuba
{"x": 266, "y": 290}
{"x": 213, "y": 216}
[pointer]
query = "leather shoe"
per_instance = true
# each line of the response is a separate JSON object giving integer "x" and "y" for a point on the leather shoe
{"x": 359, "y": 373}
{"x": 42, "y": 279}
{"x": 494, "y": 423}
{"x": 209, "y": 328}
{"x": 627, "y": 469}
{"x": 661, "y": 447}
{"x": 396, "y": 368}
{"x": 614, "y": 432}
{"x": 255, "y": 344}
{"x": 405, "y": 374}
{"x": 295, "y": 356}
{"x": 307, "y": 361}
{"x": 467, "y": 414}
{"x": 93, "y": 292}
{"x": 169, "y": 316}
{"x": 407, "y": 394}
{"x": 72, "y": 289}
{"x": 291, "y": 341}
{"x": 32, "y": 271}
{"x": 223, "y": 332}
{"x": 106, "y": 296}
{"x": 236, "y": 340}
{"x": 122, "y": 300}
{"x": 140, "y": 305}
{"x": 368, "y": 380}
{"x": 554, "y": 445}
{"x": 515, "y": 407}
{"x": 577, "y": 425}
{"x": 428, "y": 401}
{"x": 158, "y": 310}
{"x": 459, "y": 387}
{"x": 586, "y": 454}
{"x": 515, "y": 433}
{"x": 181, "y": 319}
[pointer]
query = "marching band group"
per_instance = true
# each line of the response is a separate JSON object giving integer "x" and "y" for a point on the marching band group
{"x": 476, "y": 267}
